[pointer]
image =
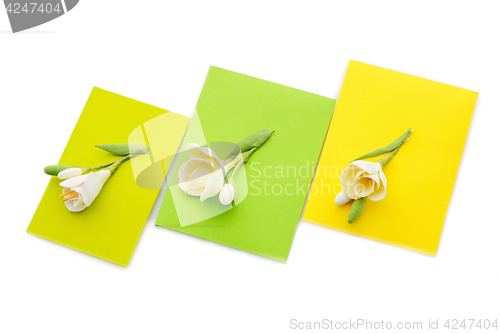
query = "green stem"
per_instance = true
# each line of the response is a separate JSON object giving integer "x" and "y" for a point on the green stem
{"x": 247, "y": 154}
{"x": 383, "y": 161}
{"x": 116, "y": 164}
{"x": 112, "y": 166}
{"x": 390, "y": 147}
{"x": 246, "y": 146}
{"x": 228, "y": 167}
{"x": 98, "y": 167}
{"x": 240, "y": 163}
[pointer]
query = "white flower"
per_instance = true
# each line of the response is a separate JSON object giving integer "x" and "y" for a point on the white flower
{"x": 362, "y": 179}
{"x": 226, "y": 195}
{"x": 201, "y": 175}
{"x": 68, "y": 173}
{"x": 79, "y": 192}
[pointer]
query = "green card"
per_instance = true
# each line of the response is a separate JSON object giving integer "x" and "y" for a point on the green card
{"x": 271, "y": 188}
{"x": 111, "y": 226}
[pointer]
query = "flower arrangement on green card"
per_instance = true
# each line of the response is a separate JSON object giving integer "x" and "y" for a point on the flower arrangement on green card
{"x": 81, "y": 185}
{"x": 362, "y": 180}
{"x": 205, "y": 175}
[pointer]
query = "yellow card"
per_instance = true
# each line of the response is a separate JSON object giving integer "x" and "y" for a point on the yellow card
{"x": 111, "y": 226}
{"x": 374, "y": 108}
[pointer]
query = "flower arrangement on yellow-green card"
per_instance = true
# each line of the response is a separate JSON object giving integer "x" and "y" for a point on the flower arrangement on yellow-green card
{"x": 81, "y": 185}
{"x": 362, "y": 180}
{"x": 205, "y": 175}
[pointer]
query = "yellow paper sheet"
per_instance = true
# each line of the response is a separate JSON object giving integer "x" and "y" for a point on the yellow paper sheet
{"x": 110, "y": 228}
{"x": 374, "y": 108}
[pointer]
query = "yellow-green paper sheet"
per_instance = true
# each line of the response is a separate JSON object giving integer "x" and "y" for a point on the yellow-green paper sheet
{"x": 375, "y": 107}
{"x": 269, "y": 202}
{"x": 111, "y": 227}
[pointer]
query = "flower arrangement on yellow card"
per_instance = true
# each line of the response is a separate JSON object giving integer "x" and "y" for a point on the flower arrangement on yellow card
{"x": 362, "y": 180}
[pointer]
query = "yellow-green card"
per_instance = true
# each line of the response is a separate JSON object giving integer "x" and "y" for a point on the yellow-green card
{"x": 110, "y": 227}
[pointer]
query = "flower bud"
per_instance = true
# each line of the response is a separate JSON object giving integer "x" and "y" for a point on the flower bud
{"x": 226, "y": 195}
{"x": 341, "y": 199}
{"x": 124, "y": 149}
{"x": 53, "y": 170}
{"x": 68, "y": 173}
{"x": 357, "y": 208}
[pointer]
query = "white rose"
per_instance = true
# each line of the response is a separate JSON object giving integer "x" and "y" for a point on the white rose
{"x": 362, "y": 179}
{"x": 202, "y": 174}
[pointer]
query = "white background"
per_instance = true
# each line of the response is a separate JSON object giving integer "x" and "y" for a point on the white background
{"x": 159, "y": 52}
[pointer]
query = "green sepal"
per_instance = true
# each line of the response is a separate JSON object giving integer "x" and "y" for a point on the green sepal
{"x": 123, "y": 149}
{"x": 53, "y": 170}
{"x": 389, "y": 147}
{"x": 357, "y": 208}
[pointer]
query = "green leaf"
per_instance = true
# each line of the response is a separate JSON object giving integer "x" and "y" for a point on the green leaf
{"x": 53, "y": 170}
{"x": 357, "y": 208}
{"x": 389, "y": 147}
{"x": 123, "y": 149}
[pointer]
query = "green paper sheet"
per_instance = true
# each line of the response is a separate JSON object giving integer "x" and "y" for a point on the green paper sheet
{"x": 277, "y": 176}
{"x": 112, "y": 225}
